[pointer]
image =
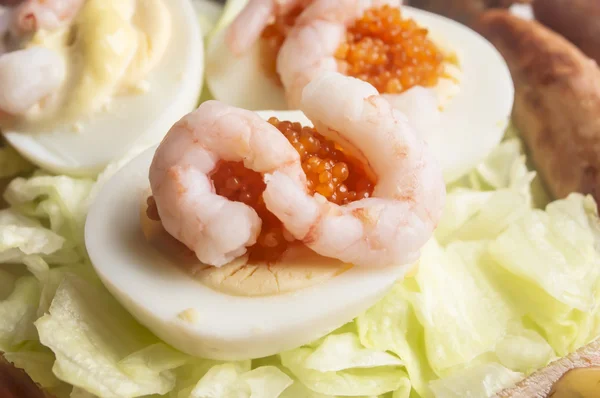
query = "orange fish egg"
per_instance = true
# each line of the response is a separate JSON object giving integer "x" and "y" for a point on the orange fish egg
{"x": 391, "y": 53}
{"x": 330, "y": 172}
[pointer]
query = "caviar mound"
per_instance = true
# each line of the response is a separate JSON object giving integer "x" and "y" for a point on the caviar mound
{"x": 330, "y": 172}
{"x": 390, "y": 52}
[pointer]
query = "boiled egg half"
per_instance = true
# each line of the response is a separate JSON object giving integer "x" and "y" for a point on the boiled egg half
{"x": 462, "y": 118}
{"x": 238, "y": 311}
{"x": 138, "y": 112}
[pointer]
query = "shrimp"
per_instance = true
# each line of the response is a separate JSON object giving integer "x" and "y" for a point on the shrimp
{"x": 216, "y": 229}
{"x": 408, "y": 198}
{"x": 32, "y": 15}
{"x": 27, "y": 77}
{"x": 245, "y": 30}
{"x": 310, "y": 47}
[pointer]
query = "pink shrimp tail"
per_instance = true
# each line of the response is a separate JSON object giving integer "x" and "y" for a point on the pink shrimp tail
{"x": 246, "y": 29}
{"x": 32, "y": 15}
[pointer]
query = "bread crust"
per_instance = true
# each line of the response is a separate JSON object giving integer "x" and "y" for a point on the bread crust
{"x": 557, "y": 101}
{"x": 465, "y": 11}
{"x": 577, "y": 20}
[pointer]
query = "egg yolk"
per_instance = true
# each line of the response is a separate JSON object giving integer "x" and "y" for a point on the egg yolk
{"x": 330, "y": 171}
{"x": 391, "y": 53}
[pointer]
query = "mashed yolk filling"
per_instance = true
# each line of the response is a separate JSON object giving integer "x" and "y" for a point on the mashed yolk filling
{"x": 391, "y": 53}
{"x": 330, "y": 171}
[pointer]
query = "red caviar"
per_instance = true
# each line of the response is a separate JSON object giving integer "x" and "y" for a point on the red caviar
{"x": 330, "y": 171}
{"x": 390, "y": 52}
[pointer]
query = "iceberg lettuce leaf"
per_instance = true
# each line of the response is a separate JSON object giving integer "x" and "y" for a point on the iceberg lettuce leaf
{"x": 475, "y": 382}
{"x": 463, "y": 313}
{"x": 352, "y": 381}
{"x": 344, "y": 351}
{"x": 60, "y": 200}
{"x": 391, "y": 325}
{"x": 18, "y": 312}
{"x": 237, "y": 380}
{"x": 90, "y": 334}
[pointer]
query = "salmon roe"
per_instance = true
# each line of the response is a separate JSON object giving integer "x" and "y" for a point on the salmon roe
{"x": 330, "y": 172}
{"x": 273, "y": 37}
{"x": 391, "y": 53}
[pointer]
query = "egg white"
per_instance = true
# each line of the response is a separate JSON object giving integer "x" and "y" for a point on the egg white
{"x": 474, "y": 113}
{"x": 196, "y": 319}
{"x": 209, "y": 13}
{"x": 131, "y": 120}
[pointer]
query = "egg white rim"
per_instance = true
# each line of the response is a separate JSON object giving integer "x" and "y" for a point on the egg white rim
{"x": 72, "y": 156}
{"x": 228, "y": 327}
{"x": 484, "y": 75}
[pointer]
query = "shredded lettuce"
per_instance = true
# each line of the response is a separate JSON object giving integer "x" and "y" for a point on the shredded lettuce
{"x": 59, "y": 200}
{"x": 454, "y": 284}
{"x": 475, "y": 382}
{"x": 18, "y": 312}
{"x": 91, "y": 334}
{"x": 348, "y": 382}
{"x": 503, "y": 288}
{"x": 239, "y": 381}
{"x": 344, "y": 351}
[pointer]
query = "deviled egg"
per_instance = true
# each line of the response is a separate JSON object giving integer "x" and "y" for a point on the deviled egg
{"x": 454, "y": 86}
{"x": 243, "y": 235}
{"x": 238, "y": 311}
{"x": 131, "y": 69}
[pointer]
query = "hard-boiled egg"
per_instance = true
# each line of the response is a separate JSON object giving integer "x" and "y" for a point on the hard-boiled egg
{"x": 474, "y": 99}
{"x": 209, "y": 13}
{"x": 171, "y": 88}
{"x": 234, "y": 312}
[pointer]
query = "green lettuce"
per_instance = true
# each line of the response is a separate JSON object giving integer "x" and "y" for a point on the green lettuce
{"x": 240, "y": 381}
{"x": 502, "y": 289}
{"x": 373, "y": 380}
{"x": 475, "y": 382}
{"x": 58, "y": 200}
{"x": 489, "y": 199}
{"x": 463, "y": 314}
{"x": 94, "y": 339}
{"x": 18, "y": 312}
{"x": 551, "y": 266}
{"x": 37, "y": 361}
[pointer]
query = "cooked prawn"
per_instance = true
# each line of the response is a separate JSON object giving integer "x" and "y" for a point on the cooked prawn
{"x": 32, "y": 15}
{"x": 408, "y": 199}
{"x": 216, "y": 229}
{"x": 28, "y": 76}
{"x": 245, "y": 30}
{"x": 310, "y": 47}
